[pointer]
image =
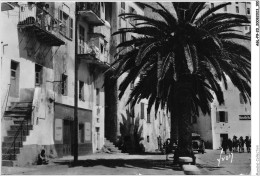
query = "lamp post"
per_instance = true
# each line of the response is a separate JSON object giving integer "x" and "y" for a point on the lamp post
{"x": 76, "y": 90}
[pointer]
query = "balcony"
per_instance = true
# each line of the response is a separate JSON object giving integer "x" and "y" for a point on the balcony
{"x": 95, "y": 51}
{"x": 91, "y": 12}
{"x": 40, "y": 23}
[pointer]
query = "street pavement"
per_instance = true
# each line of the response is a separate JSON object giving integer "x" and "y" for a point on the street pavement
{"x": 208, "y": 162}
{"x": 103, "y": 164}
{"x": 149, "y": 164}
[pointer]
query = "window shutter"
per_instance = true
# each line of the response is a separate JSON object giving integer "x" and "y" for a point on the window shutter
{"x": 142, "y": 110}
{"x": 64, "y": 84}
{"x": 71, "y": 29}
{"x": 226, "y": 117}
{"x": 217, "y": 116}
{"x": 60, "y": 19}
{"x": 60, "y": 85}
{"x": 41, "y": 76}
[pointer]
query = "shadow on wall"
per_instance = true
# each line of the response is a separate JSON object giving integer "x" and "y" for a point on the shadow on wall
{"x": 130, "y": 140}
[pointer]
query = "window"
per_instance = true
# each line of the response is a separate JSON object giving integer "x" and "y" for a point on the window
{"x": 123, "y": 8}
{"x": 123, "y": 37}
{"x": 81, "y": 39}
{"x": 148, "y": 139}
{"x": 81, "y": 133}
{"x": 222, "y": 116}
{"x": 81, "y": 90}
{"x": 236, "y": 2}
{"x": 246, "y": 28}
{"x": 131, "y": 20}
{"x": 248, "y": 11}
{"x": 71, "y": 29}
{"x": 97, "y": 97}
{"x": 38, "y": 74}
{"x": 237, "y": 9}
{"x": 241, "y": 99}
{"x": 103, "y": 6}
{"x": 142, "y": 110}
{"x": 148, "y": 117}
{"x": 212, "y": 5}
{"x": 66, "y": 24}
{"x": 14, "y": 67}
{"x": 101, "y": 48}
{"x": 64, "y": 84}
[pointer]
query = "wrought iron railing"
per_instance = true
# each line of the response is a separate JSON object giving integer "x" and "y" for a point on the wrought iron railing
{"x": 31, "y": 14}
{"x": 94, "y": 6}
{"x": 24, "y": 127}
{"x": 3, "y": 108}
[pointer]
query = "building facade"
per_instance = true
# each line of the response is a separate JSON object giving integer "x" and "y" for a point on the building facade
{"x": 127, "y": 126}
{"x": 38, "y": 81}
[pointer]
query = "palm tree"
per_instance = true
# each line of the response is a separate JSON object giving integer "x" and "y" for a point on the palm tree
{"x": 181, "y": 60}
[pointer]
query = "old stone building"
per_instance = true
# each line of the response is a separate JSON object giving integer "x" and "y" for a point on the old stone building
{"x": 38, "y": 78}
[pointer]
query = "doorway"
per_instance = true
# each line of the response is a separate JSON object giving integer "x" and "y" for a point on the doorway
{"x": 14, "y": 79}
{"x": 222, "y": 137}
{"x": 67, "y": 137}
{"x": 98, "y": 137}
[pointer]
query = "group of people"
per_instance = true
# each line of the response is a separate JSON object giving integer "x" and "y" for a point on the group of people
{"x": 236, "y": 144}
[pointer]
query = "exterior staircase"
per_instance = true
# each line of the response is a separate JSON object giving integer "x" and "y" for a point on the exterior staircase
{"x": 111, "y": 147}
{"x": 20, "y": 114}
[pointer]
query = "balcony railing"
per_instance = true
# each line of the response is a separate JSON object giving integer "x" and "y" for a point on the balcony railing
{"x": 95, "y": 51}
{"x": 91, "y": 12}
{"x": 42, "y": 23}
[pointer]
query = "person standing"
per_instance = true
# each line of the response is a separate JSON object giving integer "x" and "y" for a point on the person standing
{"x": 230, "y": 144}
{"x": 167, "y": 148}
{"x": 248, "y": 145}
{"x": 224, "y": 145}
{"x": 235, "y": 143}
{"x": 241, "y": 144}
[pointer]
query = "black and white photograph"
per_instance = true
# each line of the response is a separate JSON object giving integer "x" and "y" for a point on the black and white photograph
{"x": 129, "y": 88}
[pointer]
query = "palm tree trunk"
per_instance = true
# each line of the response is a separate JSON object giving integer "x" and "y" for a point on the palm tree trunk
{"x": 184, "y": 131}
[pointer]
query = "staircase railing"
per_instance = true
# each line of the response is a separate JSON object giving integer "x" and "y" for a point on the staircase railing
{"x": 21, "y": 130}
{"x": 5, "y": 100}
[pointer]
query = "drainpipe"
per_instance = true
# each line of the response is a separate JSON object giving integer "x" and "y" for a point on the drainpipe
{"x": 76, "y": 89}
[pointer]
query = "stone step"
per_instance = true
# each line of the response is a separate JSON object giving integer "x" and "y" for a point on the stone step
{"x": 10, "y": 150}
{"x": 14, "y": 132}
{"x": 12, "y": 138}
{"x": 15, "y": 115}
{"x": 20, "y": 122}
{"x": 16, "y": 127}
{"x": 21, "y": 104}
{"x": 9, "y": 157}
{"x": 191, "y": 170}
{"x": 17, "y": 111}
{"x": 8, "y": 163}
{"x": 9, "y": 144}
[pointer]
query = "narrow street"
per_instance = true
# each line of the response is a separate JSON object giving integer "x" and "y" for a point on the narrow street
{"x": 123, "y": 164}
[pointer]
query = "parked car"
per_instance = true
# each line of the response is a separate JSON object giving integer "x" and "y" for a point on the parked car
{"x": 197, "y": 143}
